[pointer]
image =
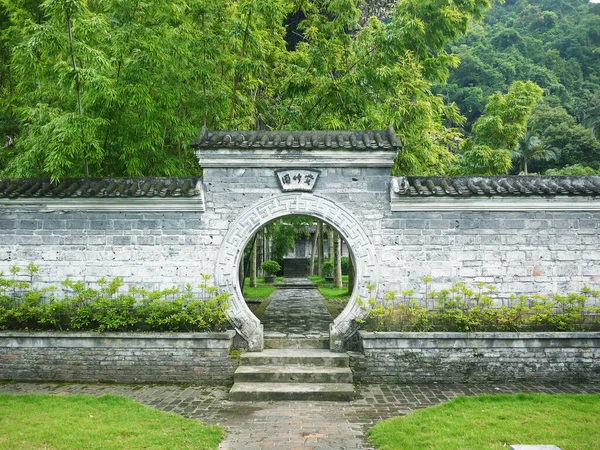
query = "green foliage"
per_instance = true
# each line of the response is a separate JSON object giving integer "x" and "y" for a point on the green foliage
{"x": 553, "y": 44}
{"x": 105, "y": 309}
{"x": 120, "y": 88}
{"x": 463, "y": 309}
{"x": 345, "y": 262}
{"x": 328, "y": 267}
{"x": 496, "y": 133}
{"x": 573, "y": 171}
{"x": 270, "y": 267}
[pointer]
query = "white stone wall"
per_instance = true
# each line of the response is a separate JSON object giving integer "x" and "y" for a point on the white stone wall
{"x": 517, "y": 251}
{"x": 153, "y": 250}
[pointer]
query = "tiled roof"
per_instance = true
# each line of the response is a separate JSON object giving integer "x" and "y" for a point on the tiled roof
{"x": 359, "y": 140}
{"x": 496, "y": 186}
{"x": 99, "y": 187}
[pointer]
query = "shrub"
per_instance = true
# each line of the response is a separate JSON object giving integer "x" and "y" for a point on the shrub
{"x": 462, "y": 309}
{"x": 270, "y": 267}
{"x": 83, "y": 308}
{"x": 327, "y": 268}
{"x": 345, "y": 262}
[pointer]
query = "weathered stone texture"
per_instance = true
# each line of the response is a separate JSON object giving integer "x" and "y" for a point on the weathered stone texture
{"x": 154, "y": 250}
{"x": 519, "y": 252}
{"x": 199, "y": 358}
{"x": 477, "y": 357}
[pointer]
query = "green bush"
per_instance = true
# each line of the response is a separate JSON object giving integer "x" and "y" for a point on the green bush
{"x": 327, "y": 268}
{"x": 462, "y": 309}
{"x": 345, "y": 262}
{"x": 270, "y": 267}
{"x": 82, "y": 308}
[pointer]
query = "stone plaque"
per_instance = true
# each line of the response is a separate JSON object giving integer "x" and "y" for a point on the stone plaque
{"x": 297, "y": 179}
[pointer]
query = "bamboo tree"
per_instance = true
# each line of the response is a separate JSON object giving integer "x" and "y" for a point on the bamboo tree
{"x": 253, "y": 264}
{"x": 337, "y": 280}
{"x": 320, "y": 248}
{"x": 313, "y": 252}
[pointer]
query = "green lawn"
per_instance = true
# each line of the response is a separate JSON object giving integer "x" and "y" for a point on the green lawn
{"x": 336, "y": 299}
{"x": 571, "y": 422}
{"x": 262, "y": 290}
{"x": 107, "y": 422}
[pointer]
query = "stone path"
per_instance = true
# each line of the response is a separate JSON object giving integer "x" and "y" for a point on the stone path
{"x": 296, "y": 312}
{"x": 293, "y": 425}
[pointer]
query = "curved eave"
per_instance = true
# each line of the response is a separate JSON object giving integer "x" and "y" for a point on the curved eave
{"x": 295, "y": 158}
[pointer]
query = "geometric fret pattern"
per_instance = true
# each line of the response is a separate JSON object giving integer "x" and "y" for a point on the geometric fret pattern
{"x": 253, "y": 218}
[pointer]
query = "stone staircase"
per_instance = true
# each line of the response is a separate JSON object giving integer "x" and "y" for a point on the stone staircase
{"x": 294, "y": 267}
{"x": 297, "y": 369}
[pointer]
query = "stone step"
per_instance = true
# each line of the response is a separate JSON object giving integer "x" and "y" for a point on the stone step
{"x": 291, "y": 391}
{"x": 285, "y": 356}
{"x": 285, "y": 342}
{"x": 285, "y": 285}
{"x": 292, "y": 374}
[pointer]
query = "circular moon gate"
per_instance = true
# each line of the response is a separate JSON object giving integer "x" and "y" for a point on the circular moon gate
{"x": 252, "y": 219}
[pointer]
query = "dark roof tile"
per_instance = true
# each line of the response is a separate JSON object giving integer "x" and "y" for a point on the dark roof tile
{"x": 360, "y": 140}
{"x": 497, "y": 186}
{"x": 98, "y": 187}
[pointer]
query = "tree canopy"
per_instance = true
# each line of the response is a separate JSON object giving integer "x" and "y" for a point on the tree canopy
{"x": 120, "y": 87}
{"x": 555, "y": 44}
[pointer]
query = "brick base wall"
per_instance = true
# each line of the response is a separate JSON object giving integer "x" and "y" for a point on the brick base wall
{"x": 196, "y": 358}
{"x": 477, "y": 357}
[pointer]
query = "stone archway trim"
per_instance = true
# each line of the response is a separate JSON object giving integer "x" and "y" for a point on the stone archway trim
{"x": 253, "y": 218}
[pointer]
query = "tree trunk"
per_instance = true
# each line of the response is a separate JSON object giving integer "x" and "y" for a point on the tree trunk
{"x": 313, "y": 253}
{"x": 337, "y": 280}
{"x": 350, "y": 273}
{"x": 320, "y": 252}
{"x": 329, "y": 242}
{"x": 253, "y": 265}
{"x": 241, "y": 275}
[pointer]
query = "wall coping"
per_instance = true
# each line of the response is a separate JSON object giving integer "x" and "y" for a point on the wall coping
{"x": 295, "y": 158}
{"x": 221, "y": 335}
{"x": 477, "y": 335}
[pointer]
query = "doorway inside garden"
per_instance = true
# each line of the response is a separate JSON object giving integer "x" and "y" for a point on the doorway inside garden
{"x": 297, "y": 275}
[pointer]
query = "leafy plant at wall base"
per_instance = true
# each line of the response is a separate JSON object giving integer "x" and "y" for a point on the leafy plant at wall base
{"x": 105, "y": 309}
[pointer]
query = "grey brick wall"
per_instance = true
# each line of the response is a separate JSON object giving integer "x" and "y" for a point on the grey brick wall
{"x": 477, "y": 357}
{"x": 519, "y": 252}
{"x": 199, "y": 358}
{"x": 154, "y": 250}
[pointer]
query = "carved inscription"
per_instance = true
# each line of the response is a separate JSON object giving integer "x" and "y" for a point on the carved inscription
{"x": 297, "y": 179}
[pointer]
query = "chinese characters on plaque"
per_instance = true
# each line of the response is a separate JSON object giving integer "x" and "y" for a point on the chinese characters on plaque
{"x": 297, "y": 179}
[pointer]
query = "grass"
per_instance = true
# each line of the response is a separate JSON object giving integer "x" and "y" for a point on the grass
{"x": 262, "y": 290}
{"x": 336, "y": 299}
{"x": 571, "y": 422}
{"x": 107, "y": 422}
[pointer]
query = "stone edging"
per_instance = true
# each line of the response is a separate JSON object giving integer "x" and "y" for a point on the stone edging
{"x": 199, "y": 358}
{"x": 477, "y": 357}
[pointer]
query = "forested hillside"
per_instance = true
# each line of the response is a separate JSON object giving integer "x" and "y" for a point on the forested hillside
{"x": 554, "y": 43}
{"x": 121, "y": 87}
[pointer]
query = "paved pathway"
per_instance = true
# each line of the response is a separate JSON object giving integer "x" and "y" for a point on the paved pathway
{"x": 296, "y": 312}
{"x": 293, "y": 425}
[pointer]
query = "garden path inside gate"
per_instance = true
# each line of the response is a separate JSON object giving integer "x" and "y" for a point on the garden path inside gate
{"x": 296, "y": 309}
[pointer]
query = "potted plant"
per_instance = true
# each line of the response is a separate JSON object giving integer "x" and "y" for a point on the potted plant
{"x": 327, "y": 269}
{"x": 270, "y": 268}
